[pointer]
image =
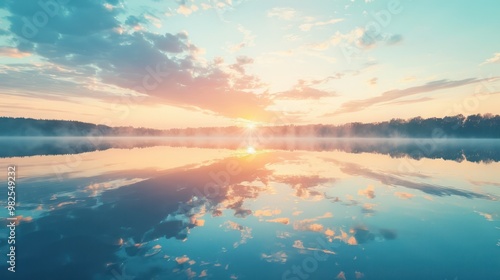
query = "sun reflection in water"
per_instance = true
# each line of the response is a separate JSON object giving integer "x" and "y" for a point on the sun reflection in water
{"x": 251, "y": 125}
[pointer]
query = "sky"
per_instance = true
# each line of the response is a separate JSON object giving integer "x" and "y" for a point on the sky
{"x": 197, "y": 63}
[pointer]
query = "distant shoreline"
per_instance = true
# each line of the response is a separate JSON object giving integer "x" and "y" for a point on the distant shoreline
{"x": 452, "y": 127}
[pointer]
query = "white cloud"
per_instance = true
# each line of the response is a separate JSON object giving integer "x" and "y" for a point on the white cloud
{"x": 185, "y": 10}
{"x": 248, "y": 40}
{"x": 494, "y": 59}
{"x": 308, "y": 26}
{"x": 205, "y": 6}
{"x": 291, "y": 37}
{"x": 282, "y": 13}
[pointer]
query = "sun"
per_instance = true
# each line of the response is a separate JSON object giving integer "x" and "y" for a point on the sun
{"x": 251, "y": 150}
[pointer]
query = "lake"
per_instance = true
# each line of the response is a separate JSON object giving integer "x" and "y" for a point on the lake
{"x": 202, "y": 208}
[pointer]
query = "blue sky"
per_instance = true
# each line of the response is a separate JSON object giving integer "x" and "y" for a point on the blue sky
{"x": 207, "y": 63}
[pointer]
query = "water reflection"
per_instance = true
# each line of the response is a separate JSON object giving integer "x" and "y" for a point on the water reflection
{"x": 283, "y": 213}
{"x": 475, "y": 150}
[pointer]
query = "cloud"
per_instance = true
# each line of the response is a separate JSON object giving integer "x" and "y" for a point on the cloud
{"x": 308, "y": 26}
{"x": 135, "y": 22}
{"x": 388, "y": 234}
{"x": 358, "y": 105}
{"x": 13, "y": 52}
{"x": 349, "y": 37}
{"x": 245, "y": 232}
{"x": 282, "y": 13}
{"x": 199, "y": 223}
{"x": 182, "y": 259}
{"x": 278, "y": 257}
{"x": 352, "y": 241}
{"x": 393, "y": 180}
{"x": 169, "y": 197}
{"x": 291, "y": 37}
{"x": 154, "y": 20}
{"x": 363, "y": 235}
{"x": 284, "y": 221}
{"x": 319, "y": 46}
{"x": 169, "y": 43}
{"x": 300, "y": 245}
{"x": 22, "y": 219}
{"x": 329, "y": 232}
{"x": 393, "y": 39}
{"x": 373, "y": 81}
{"x": 296, "y": 213}
{"x": 53, "y": 82}
{"x": 359, "y": 39}
{"x": 187, "y": 10}
{"x": 165, "y": 68}
{"x": 410, "y": 101}
{"x": 248, "y": 40}
{"x": 303, "y": 91}
{"x": 266, "y": 212}
{"x": 306, "y": 225}
{"x": 404, "y": 195}
{"x": 487, "y": 216}
{"x": 369, "y": 38}
{"x": 368, "y": 208}
{"x": 352, "y": 37}
{"x": 494, "y": 59}
{"x": 304, "y": 185}
{"x": 310, "y": 225}
{"x": 369, "y": 192}
{"x": 241, "y": 62}
{"x": 485, "y": 183}
{"x": 74, "y": 18}
{"x": 205, "y": 6}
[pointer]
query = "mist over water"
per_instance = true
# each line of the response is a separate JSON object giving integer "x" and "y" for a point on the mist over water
{"x": 450, "y": 149}
{"x": 241, "y": 208}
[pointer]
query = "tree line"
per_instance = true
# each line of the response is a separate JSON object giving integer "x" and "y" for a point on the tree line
{"x": 459, "y": 126}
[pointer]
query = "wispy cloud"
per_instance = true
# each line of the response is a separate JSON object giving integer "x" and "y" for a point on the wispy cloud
{"x": 13, "y": 52}
{"x": 373, "y": 81}
{"x": 410, "y": 101}
{"x": 187, "y": 10}
{"x": 308, "y": 26}
{"x": 248, "y": 40}
{"x": 308, "y": 22}
{"x": 389, "y": 179}
{"x": 303, "y": 91}
{"x": 404, "y": 195}
{"x": 358, "y": 105}
{"x": 282, "y": 13}
{"x": 494, "y": 59}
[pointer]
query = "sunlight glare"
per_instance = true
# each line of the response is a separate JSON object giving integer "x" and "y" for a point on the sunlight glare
{"x": 251, "y": 150}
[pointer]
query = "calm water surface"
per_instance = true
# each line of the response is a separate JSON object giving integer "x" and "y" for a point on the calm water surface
{"x": 223, "y": 209}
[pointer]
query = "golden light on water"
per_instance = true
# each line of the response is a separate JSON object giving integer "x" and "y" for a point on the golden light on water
{"x": 251, "y": 125}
